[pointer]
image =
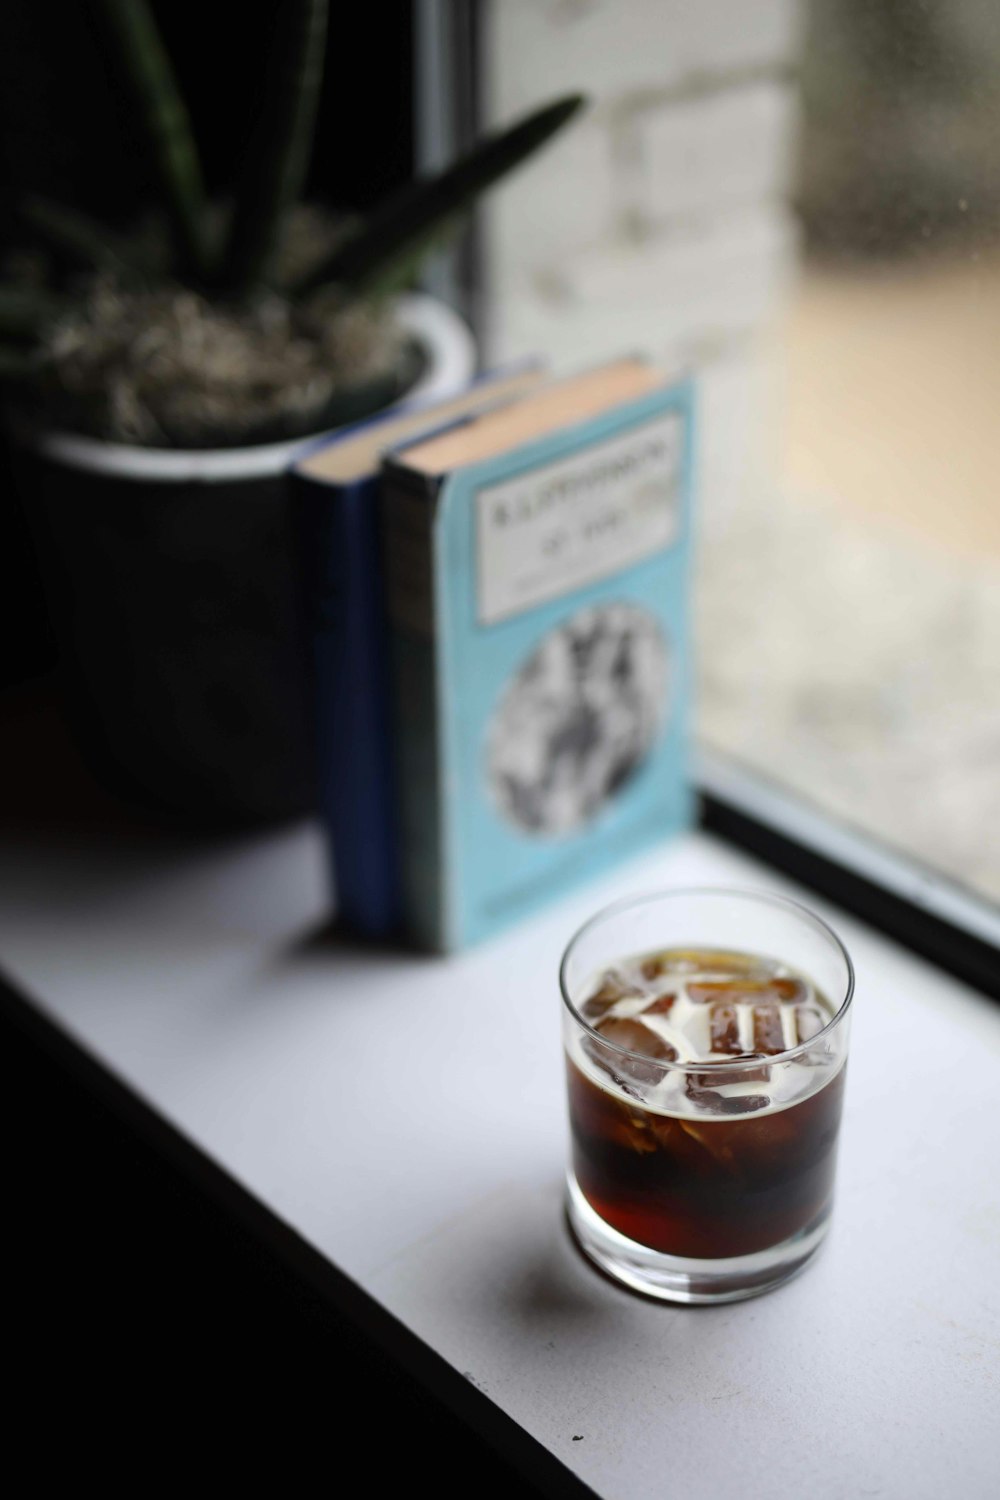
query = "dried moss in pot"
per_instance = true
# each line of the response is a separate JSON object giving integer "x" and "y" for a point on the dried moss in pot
{"x": 167, "y": 367}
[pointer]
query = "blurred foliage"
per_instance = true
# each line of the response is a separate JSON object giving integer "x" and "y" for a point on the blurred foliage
{"x": 230, "y": 253}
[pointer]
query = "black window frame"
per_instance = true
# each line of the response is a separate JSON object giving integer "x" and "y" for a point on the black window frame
{"x": 915, "y": 905}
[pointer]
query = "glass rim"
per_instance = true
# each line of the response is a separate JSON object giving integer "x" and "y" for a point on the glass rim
{"x": 764, "y": 898}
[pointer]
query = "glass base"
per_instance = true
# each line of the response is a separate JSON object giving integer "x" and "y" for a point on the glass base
{"x": 675, "y": 1278}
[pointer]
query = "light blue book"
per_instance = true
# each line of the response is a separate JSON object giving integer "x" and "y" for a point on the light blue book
{"x": 537, "y": 571}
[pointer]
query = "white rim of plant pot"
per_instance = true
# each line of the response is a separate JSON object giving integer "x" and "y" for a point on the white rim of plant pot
{"x": 451, "y": 361}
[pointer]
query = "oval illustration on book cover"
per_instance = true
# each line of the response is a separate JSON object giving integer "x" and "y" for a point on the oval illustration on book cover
{"x": 578, "y": 719}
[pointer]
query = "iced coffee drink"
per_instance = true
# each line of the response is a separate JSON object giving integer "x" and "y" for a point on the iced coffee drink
{"x": 705, "y": 1093}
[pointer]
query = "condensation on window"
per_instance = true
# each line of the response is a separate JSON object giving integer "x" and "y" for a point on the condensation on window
{"x": 850, "y": 612}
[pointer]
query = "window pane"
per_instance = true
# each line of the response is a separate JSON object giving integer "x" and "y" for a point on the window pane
{"x": 799, "y": 200}
{"x": 851, "y": 620}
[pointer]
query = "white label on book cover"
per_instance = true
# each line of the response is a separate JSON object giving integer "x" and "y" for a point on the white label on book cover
{"x": 566, "y": 524}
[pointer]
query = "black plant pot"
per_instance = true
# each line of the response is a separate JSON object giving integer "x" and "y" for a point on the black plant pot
{"x": 173, "y": 608}
{"x": 173, "y": 595}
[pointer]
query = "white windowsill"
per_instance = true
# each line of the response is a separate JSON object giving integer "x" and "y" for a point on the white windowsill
{"x": 375, "y": 1103}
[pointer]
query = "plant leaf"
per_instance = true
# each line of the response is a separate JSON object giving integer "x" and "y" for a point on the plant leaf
{"x": 73, "y": 236}
{"x": 173, "y": 152}
{"x": 411, "y": 218}
{"x": 277, "y": 156}
{"x": 401, "y": 273}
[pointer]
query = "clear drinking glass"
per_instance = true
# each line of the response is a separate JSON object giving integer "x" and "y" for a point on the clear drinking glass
{"x": 706, "y": 1041}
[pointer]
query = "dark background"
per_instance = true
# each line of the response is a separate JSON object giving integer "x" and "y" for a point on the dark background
{"x": 65, "y": 133}
{"x": 148, "y": 1338}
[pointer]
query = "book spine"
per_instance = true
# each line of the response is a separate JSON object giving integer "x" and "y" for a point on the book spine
{"x": 407, "y": 513}
{"x": 338, "y": 542}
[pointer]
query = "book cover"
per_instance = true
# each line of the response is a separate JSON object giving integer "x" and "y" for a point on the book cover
{"x": 539, "y": 606}
{"x": 335, "y": 517}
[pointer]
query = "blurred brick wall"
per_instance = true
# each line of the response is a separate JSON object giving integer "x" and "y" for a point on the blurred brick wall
{"x": 660, "y": 222}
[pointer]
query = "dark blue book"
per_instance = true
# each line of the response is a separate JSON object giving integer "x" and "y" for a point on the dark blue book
{"x": 336, "y": 492}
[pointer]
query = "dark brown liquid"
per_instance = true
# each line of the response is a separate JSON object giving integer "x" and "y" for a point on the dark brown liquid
{"x": 704, "y": 1187}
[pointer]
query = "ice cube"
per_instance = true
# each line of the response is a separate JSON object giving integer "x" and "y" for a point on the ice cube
{"x": 626, "y": 1032}
{"x": 768, "y": 1035}
{"x": 724, "y": 1026}
{"x": 809, "y": 1019}
{"x": 788, "y": 990}
{"x": 749, "y": 991}
{"x": 661, "y": 1006}
{"x": 704, "y": 1136}
{"x": 710, "y": 1093}
{"x": 613, "y": 986}
{"x": 724, "y": 962}
{"x": 636, "y": 1133}
{"x": 608, "y": 1062}
{"x": 630, "y": 1033}
{"x": 670, "y": 961}
{"x": 694, "y": 1142}
{"x": 732, "y": 991}
{"x": 706, "y": 992}
{"x": 744, "y": 1067}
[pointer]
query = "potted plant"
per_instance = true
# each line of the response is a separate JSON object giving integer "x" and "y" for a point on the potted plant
{"x": 159, "y": 383}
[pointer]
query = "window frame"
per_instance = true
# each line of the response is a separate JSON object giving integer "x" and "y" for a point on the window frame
{"x": 913, "y": 904}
